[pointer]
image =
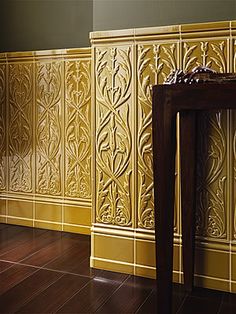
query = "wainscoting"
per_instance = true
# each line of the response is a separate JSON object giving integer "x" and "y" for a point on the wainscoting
{"x": 76, "y": 147}
{"x": 126, "y": 64}
{"x": 45, "y": 162}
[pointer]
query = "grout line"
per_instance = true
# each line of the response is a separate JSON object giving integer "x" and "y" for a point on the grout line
{"x": 152, "y": 291}
{"x": 45, "y": 268}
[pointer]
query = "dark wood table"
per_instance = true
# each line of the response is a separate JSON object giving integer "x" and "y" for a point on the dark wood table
{"x": 168, "y": 100}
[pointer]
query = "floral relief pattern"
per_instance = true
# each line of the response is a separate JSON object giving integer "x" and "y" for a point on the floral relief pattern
{"x": 113, "y": 135}
{"x": 203, "y": 53}
{"x": 155, "y": 62}
{"x": 77, "y": 129}
{"x": 211, "y": 166}
{"x": 20, "y": 127}
{"x": 2, "y": 127}
{"x": 211, "y": 194}
{"x": 48, "y": 127}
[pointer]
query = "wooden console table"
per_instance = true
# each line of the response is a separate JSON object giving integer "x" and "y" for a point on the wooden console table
{"x": 210, "y": 94}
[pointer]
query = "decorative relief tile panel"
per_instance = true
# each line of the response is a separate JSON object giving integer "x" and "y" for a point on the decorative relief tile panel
{"x": 48, "y": 127}
{"x": 155, "y": 61}
{"x": 77, "y": 129}
{"x": 211, "y": 219}
{"x": 113, "y": 68}
{"x": 20, "y": 127}
{"x": 211, "y": 53}
{"x": 2, "y": 127}
{"x": 211, "y": 190}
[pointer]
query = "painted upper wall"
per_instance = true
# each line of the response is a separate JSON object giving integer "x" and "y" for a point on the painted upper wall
{"x": 118, "y": 14}
{"x": 45, "y": 24}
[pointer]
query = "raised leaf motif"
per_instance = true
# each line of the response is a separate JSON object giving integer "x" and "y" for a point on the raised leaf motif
{"x": 20, "y": 127}
{"x": 48, "y": 127}
{"x": 77, "y": 129}
{"x": 113, "y": 136}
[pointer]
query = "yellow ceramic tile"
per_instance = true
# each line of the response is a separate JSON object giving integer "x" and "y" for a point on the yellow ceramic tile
{"x": 114, "y": 248}
{"x": 233, "y": 287}
{"x": 77, "y": 229}
{"x": 112, "y": 266}
{"x": 211, "y": 26}
{"x": 47, "y": 225}
{"x": 2, "y": 207}
{"x": 114, "y": 163}
{"x": 20, "y": 222}
{"x": 233, "y": 263}
{"x": 3, "y": 219}
{"x": 20, "y": 134}
{"x": 145, "y": 272}
{"x": 77, "y": 129}
{"x": 48, "y": 212}
{"x": 205, "y": 263}
{"x": 145, "y": 253}
{"x": 21, "y": 209}
{"x": 48, "y": 127}
{"x": 77, "y": 215}
{"x": 211, "y": 283}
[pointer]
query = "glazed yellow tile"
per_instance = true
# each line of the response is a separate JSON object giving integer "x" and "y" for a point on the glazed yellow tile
{"x": 114, "y": 248}
{"x": 77, "y": 229}
{"x": 48, "y": 212}
{"x": 20, "y": 208}
{"x": 206, "y": 265}
{"x": 145, "y": 253}
{"x": 20, "y": 222}
{"x": 233, "y": 263}
{"x": 145, "y": 271}
{"x": 212, "y": 283}
{"x": 77, "y": 215}
{"x": 3, "y": 219}
{"x": 112, "y": 266}
{"x": 2, "y": 207}
{"x": 47, "y": 225}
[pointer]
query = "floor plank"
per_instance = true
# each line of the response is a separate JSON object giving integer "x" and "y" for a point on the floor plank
{"x": 34, "y": 244}
{"x": 49, "y": 271}
{"x": 12, "y": 276}
{"x": 52, "y": 298}
{"x": 26, "y": 290}
{"x": 94, "y": 294}
{"x": 133, "y": 293}
{"x": 4, "y": 266}
{"x": 71, "y": 260}
{"x": 49, "y": 252}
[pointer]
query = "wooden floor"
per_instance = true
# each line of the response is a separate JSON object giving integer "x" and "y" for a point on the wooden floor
{"x": 44, "y": 271}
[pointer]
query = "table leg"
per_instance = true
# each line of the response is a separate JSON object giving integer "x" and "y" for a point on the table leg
{"x": 188, "y": 192}
{"x": 164, "y": 143}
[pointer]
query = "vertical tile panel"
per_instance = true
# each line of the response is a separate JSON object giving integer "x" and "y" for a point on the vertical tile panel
{"x": 48, "y": 127}
{"x": 20, "y": 126}
{"x": 77, "y": 129}
{"x": 156, "y": 60}
{"x": 211, "y": 219}
{"x": 3, "y": 123}
{"x": 113, "y": 75}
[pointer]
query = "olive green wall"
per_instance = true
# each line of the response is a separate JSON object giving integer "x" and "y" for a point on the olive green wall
{"x": 48, "y": 24}
{"x": 118, "y": 14}
{"x": 45, "y": 24}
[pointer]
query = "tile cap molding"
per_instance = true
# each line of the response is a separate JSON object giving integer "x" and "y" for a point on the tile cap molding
{"x": 173, "y": 29}
{"x": 84, "y": 52}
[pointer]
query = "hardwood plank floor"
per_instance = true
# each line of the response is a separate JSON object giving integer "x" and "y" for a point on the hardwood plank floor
{"x": 44, "y": 271}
